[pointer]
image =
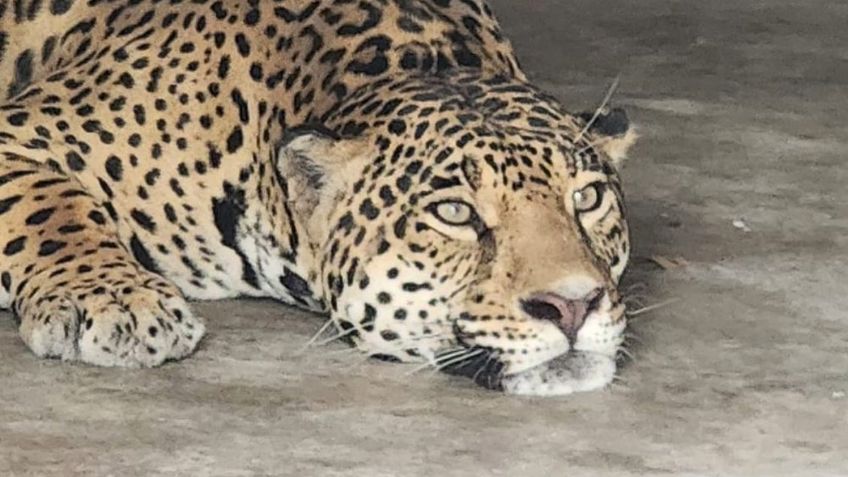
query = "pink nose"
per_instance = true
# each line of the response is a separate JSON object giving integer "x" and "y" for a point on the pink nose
{"x": 568, "y": 314}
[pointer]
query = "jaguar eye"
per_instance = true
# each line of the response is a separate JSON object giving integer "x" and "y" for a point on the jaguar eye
{"x": 588, "y": 198}
{"x": 454, "y": 212}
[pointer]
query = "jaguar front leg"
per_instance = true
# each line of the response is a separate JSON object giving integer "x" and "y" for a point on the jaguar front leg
{"x": 79, "y": 293}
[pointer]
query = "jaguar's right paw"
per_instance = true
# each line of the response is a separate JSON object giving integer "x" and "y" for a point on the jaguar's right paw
{"x": 135, "y": 326}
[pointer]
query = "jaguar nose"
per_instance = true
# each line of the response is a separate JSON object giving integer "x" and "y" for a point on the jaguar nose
{"x": 569, "y": 314}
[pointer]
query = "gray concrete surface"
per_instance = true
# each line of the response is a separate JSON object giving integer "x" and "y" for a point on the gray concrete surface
{"x": 742, "y": 107}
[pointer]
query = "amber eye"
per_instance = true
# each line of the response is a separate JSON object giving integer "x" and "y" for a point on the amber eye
{"x": 588, "y": 198}
{"x": 453, "y": 212}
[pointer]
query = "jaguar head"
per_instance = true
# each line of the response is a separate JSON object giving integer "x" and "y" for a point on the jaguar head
{"x": 470, "y": 222}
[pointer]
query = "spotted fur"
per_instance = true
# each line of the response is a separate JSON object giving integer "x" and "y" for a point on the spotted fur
{"x": 152, "y": 151}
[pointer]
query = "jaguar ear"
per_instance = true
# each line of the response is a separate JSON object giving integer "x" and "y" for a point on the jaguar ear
{"x": 317, "y": 167}
{"x": 612, "y": 132}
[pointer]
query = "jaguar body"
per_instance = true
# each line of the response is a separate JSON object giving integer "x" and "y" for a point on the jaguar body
{"x": 385, "y": 162}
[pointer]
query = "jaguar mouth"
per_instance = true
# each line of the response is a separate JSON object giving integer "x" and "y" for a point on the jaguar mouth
{"x": 573, "y": 371}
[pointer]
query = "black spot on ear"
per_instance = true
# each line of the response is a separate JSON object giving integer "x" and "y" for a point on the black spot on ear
{"x": 293, "y": 133}
{"x": 304, "y": 166}
{"x": 463, "y": 55}
{"x": 613, "y": 123}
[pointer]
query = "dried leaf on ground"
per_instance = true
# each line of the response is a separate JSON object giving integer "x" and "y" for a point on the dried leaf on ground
{"x": 669, "y": 263}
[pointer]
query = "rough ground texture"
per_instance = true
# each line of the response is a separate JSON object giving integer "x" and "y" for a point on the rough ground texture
{"x": 742, "y": 107}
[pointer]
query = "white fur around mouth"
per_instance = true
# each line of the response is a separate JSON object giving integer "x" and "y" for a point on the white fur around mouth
{"x": 570, "y": 373}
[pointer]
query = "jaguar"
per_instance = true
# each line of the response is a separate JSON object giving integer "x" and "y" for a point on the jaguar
{"x": 384, "y": 162}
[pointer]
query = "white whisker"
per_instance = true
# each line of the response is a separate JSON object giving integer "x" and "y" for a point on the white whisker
{"x": 336, "y": 337}
{"x": 634, "y": 300}
{"x": 627, "y": 353}
{"x": 450, "y": 354}
{"x": 445, "y": 359}
{"x": 652, "y": 307}
{"x": 485, "y": 365}
{"x": 355, "y": 363}
{"x": 619, "y": 383}
{"x": 419, "y": 368}
{"x": 632, "y": 337}
{"x": 457, "y": 360}
{"x": 434, "y": 362}
{"x": 600, "y": 108}
{"x": 316, "y": 335}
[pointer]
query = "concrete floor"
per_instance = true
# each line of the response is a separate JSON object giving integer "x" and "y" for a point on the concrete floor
{"x": 742, "y": 106}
